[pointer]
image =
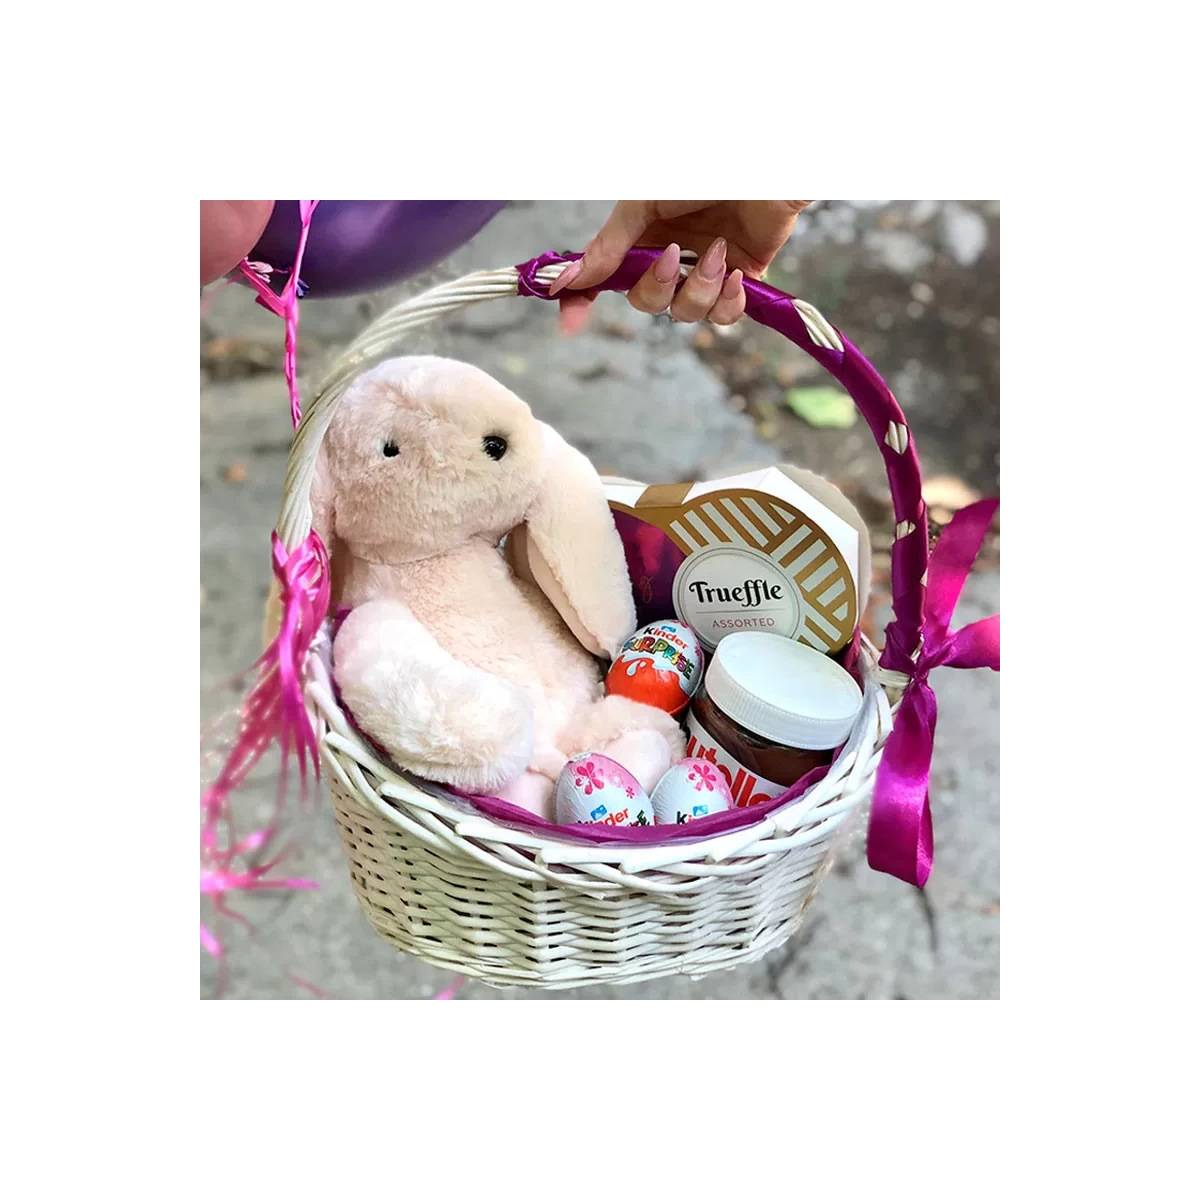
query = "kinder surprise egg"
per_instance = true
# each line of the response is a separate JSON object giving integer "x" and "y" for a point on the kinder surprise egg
{"x": 692, "y": 788}
{"x": 660, "y": 665}
{"x": 595, "y": 790}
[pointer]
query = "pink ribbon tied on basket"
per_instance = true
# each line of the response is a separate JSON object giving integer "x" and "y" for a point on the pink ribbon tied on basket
{"x": 900, "y": 831}
{"x": 305, "y": 582}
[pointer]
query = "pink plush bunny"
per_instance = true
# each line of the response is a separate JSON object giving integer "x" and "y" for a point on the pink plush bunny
{"x": 454, "y": 657}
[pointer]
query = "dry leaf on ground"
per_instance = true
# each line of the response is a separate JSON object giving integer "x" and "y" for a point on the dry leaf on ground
{"x": 823, "y": 407}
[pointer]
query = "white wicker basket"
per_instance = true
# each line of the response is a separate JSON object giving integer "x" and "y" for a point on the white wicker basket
{"x": 514, "y": 907}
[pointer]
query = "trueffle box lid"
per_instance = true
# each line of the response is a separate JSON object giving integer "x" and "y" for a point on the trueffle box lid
{"x": 779, "y": 549}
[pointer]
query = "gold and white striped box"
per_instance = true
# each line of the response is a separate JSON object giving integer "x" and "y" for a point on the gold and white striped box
{"x": 779, "y": 550}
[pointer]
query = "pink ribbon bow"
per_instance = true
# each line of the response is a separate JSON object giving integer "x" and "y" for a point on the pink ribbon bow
{"x": 900, "y": 832}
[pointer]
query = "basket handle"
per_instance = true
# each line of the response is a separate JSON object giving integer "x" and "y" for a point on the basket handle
{"x": 802, "y": 325}
{"x": 900, "y": 835}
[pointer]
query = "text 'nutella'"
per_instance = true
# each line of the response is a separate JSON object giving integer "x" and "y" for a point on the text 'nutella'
{"x": 769, "y": 711}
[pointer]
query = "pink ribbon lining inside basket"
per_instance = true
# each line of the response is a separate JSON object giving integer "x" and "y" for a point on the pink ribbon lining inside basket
{"x": 511, "y": 814}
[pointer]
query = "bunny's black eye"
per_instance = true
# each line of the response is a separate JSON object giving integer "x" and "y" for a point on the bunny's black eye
{"x": 495, "y": 446}
{"x": 390, "y": 449}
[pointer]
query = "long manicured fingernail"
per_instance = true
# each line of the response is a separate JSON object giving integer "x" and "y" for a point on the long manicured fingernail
{"x": 666, "y": 266}
{"x": 570, "y": 271}
{"x": 712, "y": 265}
{"x": 732, "y": 285}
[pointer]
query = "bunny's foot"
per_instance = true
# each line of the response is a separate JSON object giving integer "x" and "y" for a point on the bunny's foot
{"x": 645, "y": 741}
{"x": 644, "y": 753}
{"x": 532, "y": 792}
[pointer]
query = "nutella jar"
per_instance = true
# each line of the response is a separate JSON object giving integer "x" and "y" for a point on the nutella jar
{"x": 768, "y": 712}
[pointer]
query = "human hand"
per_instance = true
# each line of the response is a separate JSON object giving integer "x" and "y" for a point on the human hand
{"x": 229, "y": 230}
{"x": 742, "y": 234}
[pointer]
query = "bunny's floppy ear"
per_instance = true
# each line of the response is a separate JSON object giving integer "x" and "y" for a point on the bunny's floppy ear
{"x": 569, "y": 547}
{"x": 321, "y": 501}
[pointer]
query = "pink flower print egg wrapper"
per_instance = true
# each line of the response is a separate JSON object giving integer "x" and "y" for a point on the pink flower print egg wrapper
{"x": 691, "y": 789}
{"x": 660, "y": 665}
{"x": 595, "y": 790}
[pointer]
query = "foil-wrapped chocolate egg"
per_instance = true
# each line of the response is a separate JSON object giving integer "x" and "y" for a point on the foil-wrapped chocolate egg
{"x": 691, "y": 789}
{"x": 660, "y": 665}
{"x": 595, "y": 790}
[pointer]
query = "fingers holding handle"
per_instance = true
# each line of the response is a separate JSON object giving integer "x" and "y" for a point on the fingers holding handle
{"x": 703, "y": 287}
{"x": 655, "y": 291}
{"x": 706, "y": 294}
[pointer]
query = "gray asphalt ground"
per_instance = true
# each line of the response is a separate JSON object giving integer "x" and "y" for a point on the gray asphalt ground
{"x": 643, "y": 400}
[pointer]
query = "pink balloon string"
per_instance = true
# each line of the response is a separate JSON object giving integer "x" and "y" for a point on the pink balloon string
{"x": 287, "y": 303}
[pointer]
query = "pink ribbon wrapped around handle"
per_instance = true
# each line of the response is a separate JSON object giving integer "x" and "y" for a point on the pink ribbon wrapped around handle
{"x": 900, "y": 832}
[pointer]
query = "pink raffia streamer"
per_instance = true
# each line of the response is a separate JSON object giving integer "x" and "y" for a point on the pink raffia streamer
{"x": 286, "y": 304}
{"x": 273, "y": 712}
{"x": 900, "y": 832}
{"x": 448, "y": 993}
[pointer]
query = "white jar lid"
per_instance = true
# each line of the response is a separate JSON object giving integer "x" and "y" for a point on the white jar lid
{"x": 784, "y": 691}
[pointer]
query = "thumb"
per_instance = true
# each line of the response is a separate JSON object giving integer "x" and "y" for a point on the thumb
{"x": 626, "y": 223}
{"x": 229, "y": 230}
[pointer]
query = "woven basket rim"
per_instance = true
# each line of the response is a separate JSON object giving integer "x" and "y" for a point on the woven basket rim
{"x": 338, "y": 736}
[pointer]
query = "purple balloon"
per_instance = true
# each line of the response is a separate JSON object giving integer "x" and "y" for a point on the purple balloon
{"x": 360, "y": 245}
